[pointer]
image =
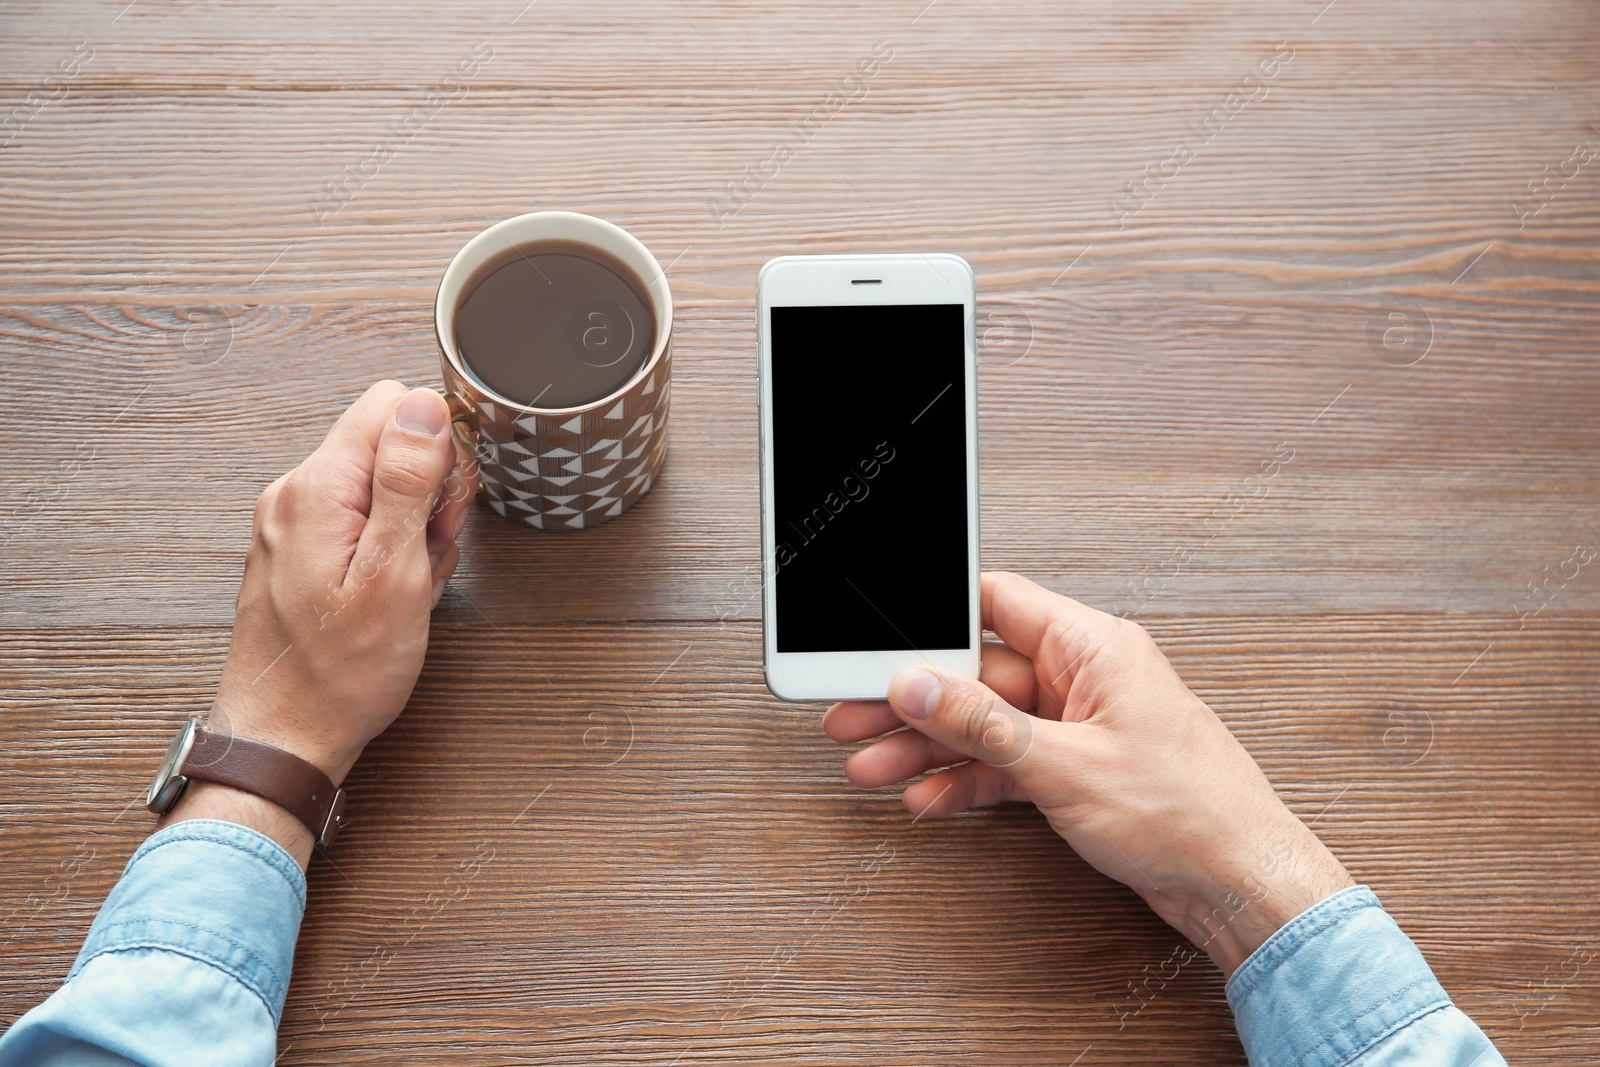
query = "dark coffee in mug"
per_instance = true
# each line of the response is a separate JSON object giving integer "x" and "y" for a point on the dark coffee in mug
{"x": 555, "y": 324}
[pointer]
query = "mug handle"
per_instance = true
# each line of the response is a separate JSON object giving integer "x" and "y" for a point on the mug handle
{"x": 462, "y": 410}
{"x": 464, "y": 420}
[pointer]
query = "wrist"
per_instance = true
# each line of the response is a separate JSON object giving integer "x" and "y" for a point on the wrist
{"x": 1255, "y": 892}
{"x": 329, "y": 753}
{"x": 212, "y": 800}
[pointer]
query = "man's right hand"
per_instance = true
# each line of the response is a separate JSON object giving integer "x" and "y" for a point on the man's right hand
{"x": 1079, "y": 713}
{"x": 350, "y": 553}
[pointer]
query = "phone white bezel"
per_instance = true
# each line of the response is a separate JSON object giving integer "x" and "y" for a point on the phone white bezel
{"x": 805, "y": 281}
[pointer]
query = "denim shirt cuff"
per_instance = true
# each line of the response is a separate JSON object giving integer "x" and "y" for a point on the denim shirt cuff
{"x": 1335, "y": 981}
{"x": 216, "y": 892}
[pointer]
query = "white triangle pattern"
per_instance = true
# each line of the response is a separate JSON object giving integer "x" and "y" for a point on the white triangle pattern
{"x": 545, "y": 474}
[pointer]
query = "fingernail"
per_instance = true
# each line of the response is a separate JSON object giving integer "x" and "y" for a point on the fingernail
{"x": 433, "y": 560}
{"x": 460, "y": 524}
{"x": 438, "y": 591}
{"x": 919, "y": 694}
{"x": 421, "y": 412}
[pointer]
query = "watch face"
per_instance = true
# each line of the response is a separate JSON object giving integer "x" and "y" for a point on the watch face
{"x": 168, "y": 782}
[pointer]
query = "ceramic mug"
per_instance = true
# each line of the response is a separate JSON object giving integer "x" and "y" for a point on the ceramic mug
{"x": 559, "y": 468}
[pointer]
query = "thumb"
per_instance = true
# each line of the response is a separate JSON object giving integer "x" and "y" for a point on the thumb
{"x": 968, "y": 717}
{"x": 414, "y": 457}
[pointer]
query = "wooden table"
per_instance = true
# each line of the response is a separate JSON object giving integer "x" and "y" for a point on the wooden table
{"x": 222, "y": 221}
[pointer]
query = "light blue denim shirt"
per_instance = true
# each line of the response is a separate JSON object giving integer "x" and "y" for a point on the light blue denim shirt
{"x": 188, "y": 963}
{"x": 1341, "y": 984}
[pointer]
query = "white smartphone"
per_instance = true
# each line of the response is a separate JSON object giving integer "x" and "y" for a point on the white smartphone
{"x": 869, "y": 471}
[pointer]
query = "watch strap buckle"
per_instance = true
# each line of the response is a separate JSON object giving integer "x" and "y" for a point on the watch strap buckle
{"x": 333, "y": 823}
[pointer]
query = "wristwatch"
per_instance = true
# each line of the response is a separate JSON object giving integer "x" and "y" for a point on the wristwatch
{"x": 197, "y": 754}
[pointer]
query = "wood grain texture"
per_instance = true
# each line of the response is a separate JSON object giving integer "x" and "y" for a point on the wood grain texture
{"x": 660, "y": 859}
{"x": 1447, "y": 485}
{"x": 183, "y": 311}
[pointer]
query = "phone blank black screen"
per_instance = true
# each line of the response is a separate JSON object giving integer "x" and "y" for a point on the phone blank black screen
{"x": 869, "y": 456}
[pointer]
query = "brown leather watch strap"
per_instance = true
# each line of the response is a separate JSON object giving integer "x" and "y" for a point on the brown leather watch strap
{"x": 271, "y": 773}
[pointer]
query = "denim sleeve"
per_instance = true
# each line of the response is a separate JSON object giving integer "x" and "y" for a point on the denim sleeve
{"x": 1342, "y": 986}
{"x": 188, "y": 961}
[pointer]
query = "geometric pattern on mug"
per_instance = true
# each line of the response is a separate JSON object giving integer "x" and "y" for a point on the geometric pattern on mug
{"x": 580, "y": 471}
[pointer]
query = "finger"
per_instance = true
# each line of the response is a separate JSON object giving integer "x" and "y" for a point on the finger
{"x": 442, "y": 560}
{"x": 450, "y": 511}
{"x": 1020, "y": 611}
{"x": 1057, "y": 633}
{"x": 856, "y": 720}
{"x": 967, "y": 717}
{"x": 414, "y": 456}
{"x": 903, "y": 754}
{"x": 340, "y": 470}
{"x": 364, "y": 419}
{"x": 971, "y": 785}
{"x": 1004, "y": 670}
{"x": 1010, "y": 674}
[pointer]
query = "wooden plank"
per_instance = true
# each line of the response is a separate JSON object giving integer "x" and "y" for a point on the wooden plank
{"x": 1280, "y": 195}
{"x": 1114, "y": 441}
{"x": 685, "y": 45}
{"x": 1381, "y": 142}
{"x": 663, "y": 861}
